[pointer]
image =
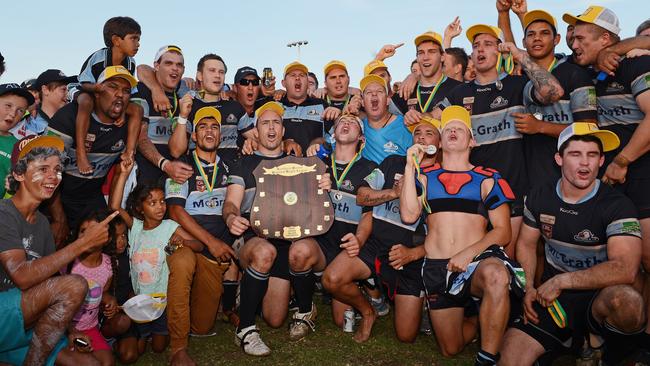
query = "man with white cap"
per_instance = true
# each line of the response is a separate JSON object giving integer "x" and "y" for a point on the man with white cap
{"x": 492, "y": 100}
{"x": 624, "y": 108}
{"x": 592, "y": 246}
{"x": 464, "y": 259}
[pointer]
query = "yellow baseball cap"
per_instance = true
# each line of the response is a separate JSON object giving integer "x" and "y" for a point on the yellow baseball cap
{"x": 477, "y": 29}
{"x": 206, "y": 112}
{"x": 428, "y": 36}
{"x": 535, "y": 15}
{"x": 369, "y": 79}
{"x": 608, "y": 138}
{"x": 372, "y": 66}
{"x": 425, "y": 120}
{"x": 334, "y": 64}
{"x": 270, "y": 106}
{"x": 295, "y": 66}
{"x": 117, "y": 72}
{"x": 598, "y": 15}
{"x": 456, "y": 113}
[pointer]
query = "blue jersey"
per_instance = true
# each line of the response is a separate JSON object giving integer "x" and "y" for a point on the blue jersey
{"x": 393, "y": 139}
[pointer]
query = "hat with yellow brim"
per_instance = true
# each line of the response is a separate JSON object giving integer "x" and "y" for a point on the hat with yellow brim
{"x": 334, "y": 64}
{"x": 455, "y": 113}
{"x": 369, "y": 79}
{"x": 608, "y": 138}
{"x": 598, "y": 15}
{"x": 295, "y": 66}
{"x": 117, "y": 72}
{"x": 535, "y": 15}
{"x": 428, "y": 36}
{"x": 372, "y": 66}
{"x": 206, "y": 112}
{"x": 28, "y": 143}
{"x": 425, "y": 120}
{"x": 477, "y": 29}
{"x": 270, "y": 106}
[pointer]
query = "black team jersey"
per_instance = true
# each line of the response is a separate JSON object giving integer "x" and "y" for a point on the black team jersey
{"x": 204, "y": 205}
{"x": 233, "y": 120}
{"x": 347, "y": 213}
{"x": 575, "y": 235}
{"x": 577, "y": 104}
{"x": 159, "y": 129}
{"x": 448, "y": 84}
{"x": 339, "y": 104}
{"x": 387, "y": 226}
{"x": 499, "y": 145}
{"x": 618, "y": 110}
{"x": 93, "y": 67}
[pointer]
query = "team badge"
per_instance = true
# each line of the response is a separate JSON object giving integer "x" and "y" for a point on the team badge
{"x": 200, "y": 184}
{"x": 547, "y": 230}
{"x": 347, "y": 185}
{"x": 499, "y": 102}
{"x": 390, "y": 147}
{"x": 338, "y": 196}
{"x": 586, "y": 236}
{"x": 118, "y": 145}
{"x": 231, "y": 118}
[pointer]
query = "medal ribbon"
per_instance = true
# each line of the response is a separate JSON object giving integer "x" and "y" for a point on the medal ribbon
{"x": 557, "y": 313}
{"x": 197, "y": 162}
{"x": 425, "y": 203}
{"x": 433, "y": 92}
{"x": 338, "y": 180}
{"x": 553, "y": 65}
{"x": 170, "y": 114}
{"x": 505, "y": 63}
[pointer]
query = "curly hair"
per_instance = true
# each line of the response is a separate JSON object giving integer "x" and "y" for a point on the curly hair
{"x": 138, "y": 196}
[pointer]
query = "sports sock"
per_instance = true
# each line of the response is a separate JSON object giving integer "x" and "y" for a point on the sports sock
{"x": 229, "y": 295}
{"x": 484, "y": 358}
{"x": 253, "y": 288}
{"x": 303, "y": 285}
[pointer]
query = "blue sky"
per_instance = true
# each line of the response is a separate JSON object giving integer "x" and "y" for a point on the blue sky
{"x": 39, "y": 34}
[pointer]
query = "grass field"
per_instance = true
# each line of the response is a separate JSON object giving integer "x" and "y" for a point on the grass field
{"x": 327, "y": 346}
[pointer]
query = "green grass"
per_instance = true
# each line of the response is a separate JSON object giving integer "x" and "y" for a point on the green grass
{"x": 327, "y": 346}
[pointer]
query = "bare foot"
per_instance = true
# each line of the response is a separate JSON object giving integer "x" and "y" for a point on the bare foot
{"x": 82, "y": 162}
{"x": 365, "y": 327}
{"x": 181, "y": 358}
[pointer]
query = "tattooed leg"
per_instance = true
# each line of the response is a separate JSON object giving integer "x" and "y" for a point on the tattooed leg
{"x": 48, "y": 308}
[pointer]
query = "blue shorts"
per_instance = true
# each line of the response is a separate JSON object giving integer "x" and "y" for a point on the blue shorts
{"x": 156, "y": 327}
{"x": 14, "y": 339}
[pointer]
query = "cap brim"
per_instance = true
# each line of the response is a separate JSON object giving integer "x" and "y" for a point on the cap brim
{"x": 42, "y": 141}
{"x": 270, "y": 106}
{"x": 571, "y": 19}
{"x": 424, "y": 38}
{"x": 132, "y": 81}
{"x": 477, "y": 29}
{"x": 334, "y": 66}
{"x": 537, "y": 15}
{"x": 608, "y": 138}
{"x": 302, "y": 68}
{"x": 22, "y": 92}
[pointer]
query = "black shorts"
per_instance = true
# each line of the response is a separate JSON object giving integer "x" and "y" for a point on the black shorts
{"x": 637, "y": 190}
{"x": 407, "y": 281}
{"x": 330, "y": 250}
{"x": 577, "y": 306}
{"x": 156, "y": 327}
{"x": 517, "y": 207}
{"x": 280, "y": 268}
{"x": 434, "y": 280}
{"x": 369, "y": 252}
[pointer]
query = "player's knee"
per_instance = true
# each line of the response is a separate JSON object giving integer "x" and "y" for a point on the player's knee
{"x": 332, "y": 280}
{"x": 71, "y": 289}
{"x": 450, "y": 349}
{"x": 274, "y": 321}
{"x": 299, "y": 256}
{"x": 626, "y": 307}
{"x": 262, "y": 258}
{"x": 406, "y": 337}
{"x": 128, "y": 356}
{"x": 495, "y": 277}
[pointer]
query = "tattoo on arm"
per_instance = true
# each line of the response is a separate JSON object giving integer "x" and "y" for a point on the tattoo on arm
{"x": 547, "y": 88}
{"x": 147, "y": 148}
{"x": 375, "y": 198}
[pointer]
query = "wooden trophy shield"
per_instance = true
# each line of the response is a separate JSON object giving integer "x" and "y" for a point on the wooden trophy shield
{"x": 288, "y": 204}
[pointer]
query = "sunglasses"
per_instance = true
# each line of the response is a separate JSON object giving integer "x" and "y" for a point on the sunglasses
{"x": 246, "y": 82}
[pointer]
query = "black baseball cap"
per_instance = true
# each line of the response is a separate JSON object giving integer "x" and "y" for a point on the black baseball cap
{"x": 29, "y": 84}
{"x": 52, "y": 75}
{"x": 245, "y": 71}
{"x": 17, "y": 90}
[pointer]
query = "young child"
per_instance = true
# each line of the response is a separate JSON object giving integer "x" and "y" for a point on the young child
{"x": 96, "y": 268}
{"x": 151, "y": 238}
{"x": 116, "y": 324}
{"x": 122, "y": 39}
{"x": 14, "y": 101}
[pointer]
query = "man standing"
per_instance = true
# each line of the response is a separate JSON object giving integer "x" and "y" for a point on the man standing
{"x": 433, "y": 85}
{"x": 104, "y": 143}
{"x": 153, "y": 157}
{"x": 265, "y": 262}
{"x": 337, "y": 84}
{"x": 37, "y": 306}
{"x": 592, "y": 252}
{"x": 623, "y": 108}
{"x": 195, "y": 281}
{"x": 492, "y": 98}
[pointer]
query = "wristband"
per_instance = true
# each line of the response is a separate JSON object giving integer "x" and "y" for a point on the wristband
{"x": 621, "y": 161}
{"x": 161, "y": 163}
{"x": 181, "y": 120}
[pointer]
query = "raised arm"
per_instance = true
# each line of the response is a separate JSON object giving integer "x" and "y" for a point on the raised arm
{"x": 410, "y": 206}
{"x": 117, "y": 190}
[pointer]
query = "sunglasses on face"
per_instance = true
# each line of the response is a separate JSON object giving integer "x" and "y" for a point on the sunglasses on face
{"x": 246, "y": 82}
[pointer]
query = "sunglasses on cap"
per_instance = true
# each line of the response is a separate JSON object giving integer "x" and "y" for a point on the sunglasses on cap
{"x": 246, "y": 82}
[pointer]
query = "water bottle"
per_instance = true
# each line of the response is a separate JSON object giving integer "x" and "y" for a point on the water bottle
{"x": 324, "y": 150}
{"x": 348, "y": 321}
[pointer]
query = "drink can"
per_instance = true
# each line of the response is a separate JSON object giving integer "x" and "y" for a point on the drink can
{"x": 348, "y": 321}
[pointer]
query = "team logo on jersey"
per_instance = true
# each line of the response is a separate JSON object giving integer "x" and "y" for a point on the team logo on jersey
{"x": 499, "y": 102}
{"x": 200, "y": 185}
{"x": 614, "y": 86}
{"x": 88, "y": 143}
{"x": 347, "y": 185}
{"x": 586, "y": 236}
{"x": 547, "y": 230}
{"x": 173, "y": 188}
{"x": 312, "y": 112}
{"x": 224, "y": 180}
{"x": 592, "y": 99}
{"x": 118, "y": 145}
{"x": 231, "y": 118}
{"x": 390, "y": 147}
